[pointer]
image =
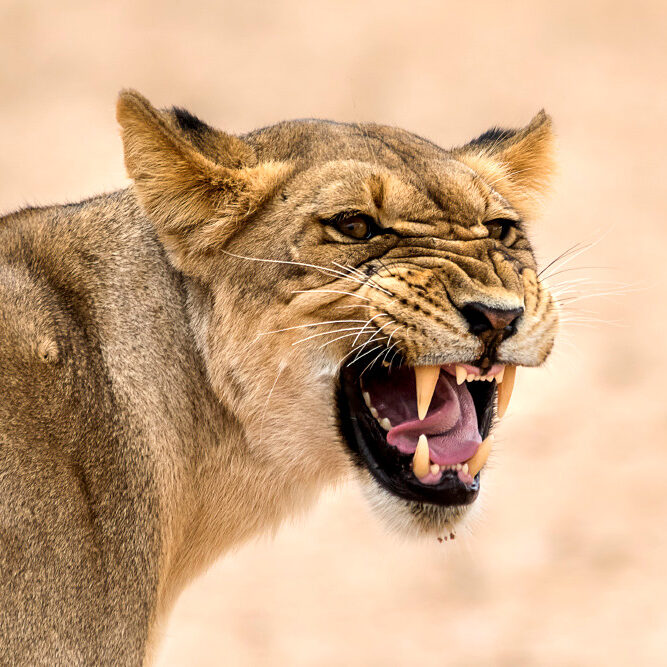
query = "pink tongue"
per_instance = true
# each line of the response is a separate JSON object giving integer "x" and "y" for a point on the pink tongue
{"x": 450, "y": 424}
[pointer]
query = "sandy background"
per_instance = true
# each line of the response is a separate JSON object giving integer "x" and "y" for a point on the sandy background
{"x": 566, "y": 565}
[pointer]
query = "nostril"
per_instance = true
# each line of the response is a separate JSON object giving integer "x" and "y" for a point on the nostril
{"x": 481, "y": 318}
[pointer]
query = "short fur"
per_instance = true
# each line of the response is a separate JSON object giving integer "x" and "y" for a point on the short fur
{"x": 149, "y": 420}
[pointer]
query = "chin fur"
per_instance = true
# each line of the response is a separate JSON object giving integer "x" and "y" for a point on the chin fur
{"x": 413, "y": 519}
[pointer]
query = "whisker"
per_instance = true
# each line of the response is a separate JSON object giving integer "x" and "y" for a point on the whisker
{"x": 326, "y": 270}
{"x": 312, "y": 324}
{"x": 574, "y": 299}
{"x": 577, "y": 268}
{"x": 570, "y": 254}
{"x": 281, "y": 368}
{"x": 339, "y": 337}
{"x": 365, "y": 325}
{"x": 377, "y": 356}
{"x": 375, "y": 334}
{"x": 328, "y": 291}
{"x": 393, "y": 356}
{"x": 350, "y": 269}
{"x": 389, "y": 349}
{"x": 325, "y": 333}
{"x": 375, "y": 347}
{"x": 367, "y": 280}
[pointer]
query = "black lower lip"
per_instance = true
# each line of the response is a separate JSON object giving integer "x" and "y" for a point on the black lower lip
{"x": 391, "y": 468}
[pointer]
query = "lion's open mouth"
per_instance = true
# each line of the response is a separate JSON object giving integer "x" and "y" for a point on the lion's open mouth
{"x": 423, "y": 432}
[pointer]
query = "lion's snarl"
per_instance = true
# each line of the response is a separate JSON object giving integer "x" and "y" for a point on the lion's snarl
{"x": 189, "y": 361}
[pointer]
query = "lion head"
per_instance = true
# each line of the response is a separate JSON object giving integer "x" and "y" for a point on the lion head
{"x": 361, "y": 297}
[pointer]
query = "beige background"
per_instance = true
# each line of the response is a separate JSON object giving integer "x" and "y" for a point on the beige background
{"x": 566, "y": 564}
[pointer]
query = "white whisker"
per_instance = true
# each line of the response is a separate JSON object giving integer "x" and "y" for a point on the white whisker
{"x": 325, "y": 333}
{"x": 377, "y": 356}
{"x": 339, "y": 337}
{"x": 365, "y": 325}
{"x": 328, "y": 291}
{"x": 324, "y": 269}
{"x": 281, "y": 368}
{"x": 375, "y": 347}
{"x": 375, "y": 334}
{"x": 367, "y": 279}
{"x": 312, "y": 324}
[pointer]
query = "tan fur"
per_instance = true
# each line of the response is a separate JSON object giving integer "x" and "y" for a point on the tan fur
{"x": 168, "y": 389}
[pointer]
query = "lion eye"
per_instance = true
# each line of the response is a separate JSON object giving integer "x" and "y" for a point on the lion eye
{"x": 500, "y": 228}
{"x": 354, "y": 226}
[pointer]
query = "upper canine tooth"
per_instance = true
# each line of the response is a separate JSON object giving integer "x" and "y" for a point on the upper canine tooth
{"x": 505, "y": 390}
{"x": 461, "y": 374}
{"x": 421, "y": 462}
{"x": 426, "y": 378}
{"x": 478, "y": 459}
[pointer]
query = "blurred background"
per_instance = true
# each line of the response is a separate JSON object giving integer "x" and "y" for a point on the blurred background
{"x": 565, "y": 565}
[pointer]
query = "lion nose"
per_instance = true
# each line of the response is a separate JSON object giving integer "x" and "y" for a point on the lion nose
{"x": 481, "y": 319}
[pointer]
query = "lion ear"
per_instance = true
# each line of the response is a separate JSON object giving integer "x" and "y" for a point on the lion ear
{"x": 195, "y": 203}
{"x": 519, "y": 163}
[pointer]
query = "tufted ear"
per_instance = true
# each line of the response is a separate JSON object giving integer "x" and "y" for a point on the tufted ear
{"x": 196, "y": 184}
{"x": 519, "y": 163}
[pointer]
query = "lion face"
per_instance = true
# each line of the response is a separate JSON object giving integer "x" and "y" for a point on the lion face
{"x": 363, "y": 297}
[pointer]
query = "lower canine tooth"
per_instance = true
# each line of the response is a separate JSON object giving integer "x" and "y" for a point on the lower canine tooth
{"x": 435, "y": 468}
{"x": 505, "y": 390}
{"x": 367, "y": 399}
{"x": 421, "y": 462}
{"x": 479, "y": 458}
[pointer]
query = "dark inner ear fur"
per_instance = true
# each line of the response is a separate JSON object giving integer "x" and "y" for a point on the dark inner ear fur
{"x": 222, "y": 148}
{"x": 195, "y": 183}
{"x": 519, "y": 163}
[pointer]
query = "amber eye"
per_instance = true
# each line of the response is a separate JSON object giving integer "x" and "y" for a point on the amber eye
{"x": 500, "y": 228}
{"x": 357, "y": 226}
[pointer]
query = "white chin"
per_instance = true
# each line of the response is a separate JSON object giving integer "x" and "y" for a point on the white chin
{"x": 414, "y": 519}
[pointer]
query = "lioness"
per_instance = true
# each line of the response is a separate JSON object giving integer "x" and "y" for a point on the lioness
{"x": 186, "y": 362}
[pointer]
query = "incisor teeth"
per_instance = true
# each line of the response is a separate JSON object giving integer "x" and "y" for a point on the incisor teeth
{"x": 460, "y": 374}
{"x": 374, "y": 412}
{"x": 471, "y": 377}
{"x": 426, "y": 378}
{"x": 421, "y": 462}
{"x": 505, "y": 390}
{"x": 385, "y": 423}
{"x": 476, "y": 462}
